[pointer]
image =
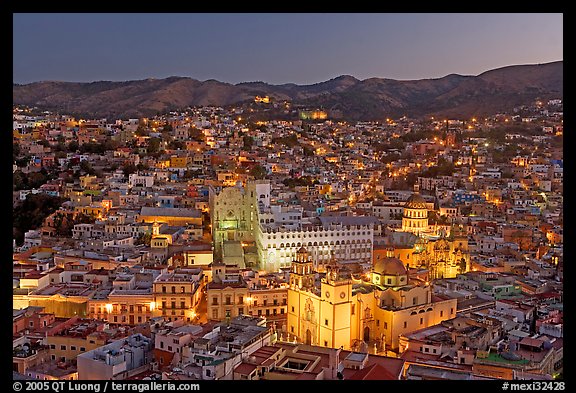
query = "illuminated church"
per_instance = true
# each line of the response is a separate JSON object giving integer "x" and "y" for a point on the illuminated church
{"x": 419, "y": 244}
{"x": 356, "y": 313}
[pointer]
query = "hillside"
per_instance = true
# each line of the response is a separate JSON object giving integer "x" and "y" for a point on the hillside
{"x": 370, "y": 99}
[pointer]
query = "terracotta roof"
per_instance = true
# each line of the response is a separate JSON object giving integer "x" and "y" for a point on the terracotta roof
{"x": 306, "y": 376}
{"x": 244, "y": 368}
{"x": 373, "y": 372}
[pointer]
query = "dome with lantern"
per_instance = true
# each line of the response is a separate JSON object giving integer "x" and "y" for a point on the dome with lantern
{"x": 389, "y": 271}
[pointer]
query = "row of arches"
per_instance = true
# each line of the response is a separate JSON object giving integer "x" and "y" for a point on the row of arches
{"x": 320, "y": 244}
{"x": 422, "y": 311}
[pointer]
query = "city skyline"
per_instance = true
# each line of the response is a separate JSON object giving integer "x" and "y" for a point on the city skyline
{"x": 299, "y": 48}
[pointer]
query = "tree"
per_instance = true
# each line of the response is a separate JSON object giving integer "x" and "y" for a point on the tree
{"x": 73, "y": 146}
{"x": 87, "y": 168}
{"x": 142, "y": 167}
{"x": 129, "y": 168}
{"x": 258, "y": 172}
{"x": 30, "y": 213}
{"x": 308, "y": 151}
{"x": 62, "y": 225}
{"x": 22, "y": 161}
{"x": 15, "y": 150}
{"x": 19, "y": 181}
{"x": 248, "y": 142}
{"x": 196, "y": 134}
{"x": 153, "y": 146}
{"x": 176, "y": 145}
{"x": 143, "y": 238}
{"x": 141, "y": 131}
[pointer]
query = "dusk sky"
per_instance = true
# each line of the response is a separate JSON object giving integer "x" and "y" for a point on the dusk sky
{"x": 277, "y": 48}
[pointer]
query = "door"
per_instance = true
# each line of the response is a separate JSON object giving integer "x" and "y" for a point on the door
{"x": 308, "y": 337}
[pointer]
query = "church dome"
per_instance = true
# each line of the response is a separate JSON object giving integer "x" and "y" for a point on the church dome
{"x": 390, "y": 266}
{"x": 302, "y": 250}
{"x": 416, "y": 201}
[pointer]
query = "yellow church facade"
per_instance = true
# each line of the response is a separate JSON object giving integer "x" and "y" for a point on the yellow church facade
{"x": 360, "y": 313}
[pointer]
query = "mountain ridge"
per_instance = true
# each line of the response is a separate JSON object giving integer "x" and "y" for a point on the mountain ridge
{"x": 347, "y": 97}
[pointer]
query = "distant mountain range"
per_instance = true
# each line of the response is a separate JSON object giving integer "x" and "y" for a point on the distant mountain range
{"x": 454, "y": 95}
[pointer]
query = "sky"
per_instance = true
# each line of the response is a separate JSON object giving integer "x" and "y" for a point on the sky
{"x": 277, "y": 48}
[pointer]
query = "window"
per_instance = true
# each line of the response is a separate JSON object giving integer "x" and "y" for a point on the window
{"x": 215, "y": 314}
{"x": 182, "y": 289}
{"x": 377, "y": 322}
{"x": 240, "y": 310}
{"x": 214, "y": 301}
{"x": 265, "y": 302}
{"x": 255, "y": 303}
{"x": 414, "y": 300}
{"x": 426, "y": 349}
{"x": 163, "y": 305}
{"x": 275, "y": 302}
{"x": 325, "y": 343}
{"x": 161, "y": 344}
{"x": 405, "y": 324}
{"x": 421, "y": 321}
{"x": 115, "y": 318}
{"x": 291, "y": 329}
{"x": 173, "y": 289}
{"x": 62, "y": 347}
{"x": 228, "y": 300}
{"x": 52, "y": 346}
{"x": 451, "y": 310}
{"x": 163, "y": 289}
{"x": 281, "y": 311}
{"x": 326, "y": 322}
{"x": 173, "y": 305}
{"x": 73, "y": 347}
{"x": 353, "y": 310}
{"x": 240, "y": 299}
{"x": 131, "y": 308}
{"x": 441, "y": 313}
{"x": 170, "y": 348}
{"x": 385, "y": 325}
{"x": 182, "y": 304}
